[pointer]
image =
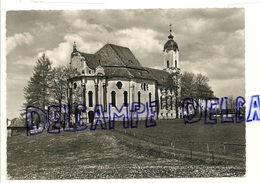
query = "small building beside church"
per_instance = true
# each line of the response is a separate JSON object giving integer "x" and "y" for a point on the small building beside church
{"x": 115, "y": 78}
{"x": 16, "y": 127}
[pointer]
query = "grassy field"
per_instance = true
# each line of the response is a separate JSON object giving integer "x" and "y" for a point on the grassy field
{"x": 201, "y": 137}
{"x": 120, "y": 153}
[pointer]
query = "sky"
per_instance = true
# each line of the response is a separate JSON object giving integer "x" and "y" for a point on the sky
{"x": 211, "y": 42}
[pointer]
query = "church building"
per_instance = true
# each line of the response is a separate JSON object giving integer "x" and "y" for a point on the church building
{"x": 114, "y": 78}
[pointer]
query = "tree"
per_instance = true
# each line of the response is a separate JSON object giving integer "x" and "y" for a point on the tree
{"x": 195, "y": 86}
{"x": 188, "y": 85}
{"x": 231, "y": 105}
{"x": 173, "y": 84}
{"x": 60, "y": 85}
{"x": 202, "y": 88}
{"x": 37, "y": 92}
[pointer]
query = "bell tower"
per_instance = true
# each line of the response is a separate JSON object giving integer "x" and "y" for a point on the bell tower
{"x": 171, "y": 54}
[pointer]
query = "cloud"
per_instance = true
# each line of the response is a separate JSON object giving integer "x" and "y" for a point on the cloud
{"x": 44, "y": 27}
{"x": 26, "y": 61}
{"x": 60, "y": 55}
{"x": 216, "y": 68}
{"x": 211, "y": 41}
{"x": 141, "y": 41}
{"x": 18, "y": 40}
{"x": 235, "y": 87}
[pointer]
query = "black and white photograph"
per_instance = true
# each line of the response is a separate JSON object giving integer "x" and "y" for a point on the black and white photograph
{"x": 125, "y": 93}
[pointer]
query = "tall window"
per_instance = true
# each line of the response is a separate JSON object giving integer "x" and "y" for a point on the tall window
{"x": 175, "y": 63}
{"x": 166, "y": 101}
{"x": 150, "y": 99}
{"x": 139, "y": 99}
{"x": 161, "y": 102}
{"x": 113, "y": 98}
{"x": 168, "y": 64}
{"x": 125, "y": 98}
{"x": 90, "y": 99}
{"x": 171, "y": 103}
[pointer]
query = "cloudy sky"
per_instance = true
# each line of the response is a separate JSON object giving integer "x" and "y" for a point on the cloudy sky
{"x": 211, "y": 42}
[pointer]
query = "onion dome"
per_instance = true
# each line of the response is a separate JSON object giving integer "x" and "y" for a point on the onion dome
{"x": 170, "y": 44}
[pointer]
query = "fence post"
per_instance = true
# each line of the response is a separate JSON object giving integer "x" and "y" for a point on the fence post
{"x": 173, "y": 150}
{"x": 208, "y": 147}
{"x": 171, "y": 143}
{"x": 191, "y": 153}
{"x": 224, "y": 147}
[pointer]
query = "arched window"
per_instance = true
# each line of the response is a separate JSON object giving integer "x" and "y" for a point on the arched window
{"x": 139, "y": 99}
{"x": 168, "y": 64}
{"x": 150, "y": 99}
{"x": 166, "y": 101}
{"x": 125, "y": 98}
{"x": 90, "y": 99}
{"x": 171, "y": 103}
{"x": 161, "y": 102}
{"x": 176, "y": 63}
{"x": 75, "y": 85}
{"x": 113, "y": 98}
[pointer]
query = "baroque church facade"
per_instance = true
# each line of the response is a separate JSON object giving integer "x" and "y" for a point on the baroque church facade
{"x": 114, "y": 79}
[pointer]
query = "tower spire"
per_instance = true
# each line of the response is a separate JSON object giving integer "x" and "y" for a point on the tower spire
{"x": 170, "y": 36}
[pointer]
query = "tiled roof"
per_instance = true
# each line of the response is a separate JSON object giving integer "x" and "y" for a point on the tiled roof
{"x": 109, "y": 57}
{"x": 117, "y": 72}
{"x": 92, "y": 60}
{"x": 119, "y": 61}
{"x": 113, "y": 55}
{"x": 159, "y": 75}
{"x": 143, "y": 74}
{"x": 126, "y": 56}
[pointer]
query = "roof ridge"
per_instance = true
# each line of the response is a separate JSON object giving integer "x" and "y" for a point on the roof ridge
{"x": 117, "y": 45}
{"x": 127, "y": 67}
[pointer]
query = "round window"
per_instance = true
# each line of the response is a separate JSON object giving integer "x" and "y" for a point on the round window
{"x": 119, "y": 85}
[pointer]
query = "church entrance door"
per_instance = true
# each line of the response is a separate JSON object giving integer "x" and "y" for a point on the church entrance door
{"x": 91, "y": 116}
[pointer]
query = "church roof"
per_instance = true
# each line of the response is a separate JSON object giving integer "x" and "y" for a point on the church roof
{"x": 113, "y": 55}
{"x": 92, "y": 60}
{"x": 159, "y": 75}
{"x": 119, "y": 61}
